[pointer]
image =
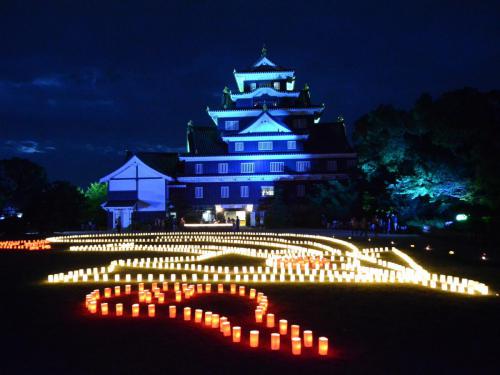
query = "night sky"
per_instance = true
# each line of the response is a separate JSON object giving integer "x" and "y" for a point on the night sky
{"x": 79, "y": 84}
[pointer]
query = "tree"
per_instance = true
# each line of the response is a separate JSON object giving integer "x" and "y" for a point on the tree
{"x": 95, "y": 195}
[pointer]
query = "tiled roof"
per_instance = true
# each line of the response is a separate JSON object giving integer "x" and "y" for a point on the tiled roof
{"x": 327, "y": 138}
{"x": 205, "y": 140}
{"x": 163, "y": 162}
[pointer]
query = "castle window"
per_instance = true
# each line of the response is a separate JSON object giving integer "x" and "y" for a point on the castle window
{"x": 244, "y": 191}
{"x": 265, "y": 146}
{"x": 277, "y": 85}
{"x": 231, "y": 124}
{"x": 276, "y": 166}
{"x": 223, "y": 167}
{"x": 267, "y": 191}
{"x": 291, "y": 145}
{"x": 300, "y": 123}
{"x": 198, "y": 192}
{"x": 224, "y": 191}
{"x": 239, "y": 146}
{"x": 198, "y": 168}
{"x": 301, "y": 190}
{"x": 303, "y": 166}
{"x": 351, "y": 163}
{"x": 247, "y": 167}
{"x": 331, "y": 165}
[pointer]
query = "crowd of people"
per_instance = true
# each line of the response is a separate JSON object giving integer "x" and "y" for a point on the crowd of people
{"x": 385, "y": 223}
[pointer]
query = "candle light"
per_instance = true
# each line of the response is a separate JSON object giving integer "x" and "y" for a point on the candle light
{"x": 172, "y": 311}
{"x": 178, "y": 296}
{"x": 258, "y": 315}
{"x": 142, "y": 296}
{"x": 93, "y": 307}
{"x": 148, "y": 297}
{"x": 199, "y": 288}
{"x": 198, "y": 314}
{"x": 119, "y": 309}
{"x": 226, "y": 329}
{"x": 164, "y": 286}
{"x": 104, "y": 308}
{"x": 242, "y": 290}
{"x": 308, "y": 339}
{"x": 270, "y": 320}
{"x": 128, "y": 289}
{"x": 141, "y": 287}
{"x": 296, "y": 345}
{"x": 220, "y": 288}
{"x": 135, "y": 310}
{"x": 208, "y": 318}
{"x": 236, "y": 334}
{"x": 233, "y": 288}
{"x": 176, "y": 286}
{"x": 151, "y": 310}
{"x": 295, "y": 330}
{"x": 117, "y": 290}
{"x": 161, "y": 297}
{"x": 252, "y": 293}
{"x": 187, "y": 313}
{"x": 283, "y": 326}
{"x": 215, "y": 320}
{"x": 222, "y": 320}
{"x": 107, "y": 292}
{"x": 208, "y": 288}
{"x": 254, "y": 339}
{"x": 275, "y": 341}
{"x": 154, "y": 286}
{"x": 323, "y": 346}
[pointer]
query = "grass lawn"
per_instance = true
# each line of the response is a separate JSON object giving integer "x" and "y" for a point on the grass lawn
{"x": 376, "y": 329}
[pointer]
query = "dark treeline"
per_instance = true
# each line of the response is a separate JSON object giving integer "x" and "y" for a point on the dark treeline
{"x": 426, "y": 164}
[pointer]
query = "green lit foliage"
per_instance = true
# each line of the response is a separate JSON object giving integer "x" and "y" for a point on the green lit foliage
{"x": 95, "y": 195}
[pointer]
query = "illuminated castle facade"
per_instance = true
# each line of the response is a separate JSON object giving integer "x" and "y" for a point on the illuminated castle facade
{"x": 265, "y": 136}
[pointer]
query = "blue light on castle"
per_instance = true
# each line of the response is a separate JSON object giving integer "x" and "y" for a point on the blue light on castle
{"x": 267, "y": 134}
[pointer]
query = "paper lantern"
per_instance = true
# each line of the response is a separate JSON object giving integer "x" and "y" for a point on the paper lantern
{"x": 220, "y": 288}
{"x": 270, "y": 320}
{"x": 93, "y": 307}
{"x": 236, "y": 334}
{"x": 254, "y": 339}
{"x": 233, "y": 288}
{"x": 208, "y": 288}
{"x": 161, "y": 297}
{"x": 308, "y": 339}
{"x": 178, "y": 296}
{"x": 172, "y": 311}
{"x": 164, "y": 286}
{"x": 148, "y": 297}
{"x": 241, "y": 290}
{"x": 142, "y": 296}
{"x": 215, "y": 320}
{"x": 104, "y": 308}
{"x": 258, "y": 315}
{"x": 176, "y": 286}
{"x": 208, "y": 318}
{"x": 226, "y": 329}
{"x": 107, "y": 292}
{"x": 117, "y": 290}
{"x": 141, "y": 287}
{"x": 275, "y": 341}
{"x": 252, "y": 293}
{"x": 119, "y": 309}
{"x": 135, "y": 310}
{"x": 295, "y": 330}
{"x": 198, "y": 314}
{"x": 187, "y": 313}
{"x": 128, "y": 289}
{"x": 296, "y": 345}
{"x": 222, "y": 320}
{"x": 283, "y": 326}
{"x": 151, "y": 310}
{"x": 323, "y": 346}
{"x": 199, "y": 288}
{"x": 154, "y": 286}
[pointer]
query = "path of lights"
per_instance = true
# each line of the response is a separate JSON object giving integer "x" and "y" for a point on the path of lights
{"x": 31, "y": 245}
{"x": 284, "y": 258}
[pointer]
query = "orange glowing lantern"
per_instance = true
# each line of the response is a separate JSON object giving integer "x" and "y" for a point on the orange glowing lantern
{"x": 178, "y": 296}
{"x": 258, "y": 315}
{"x": 172, "y": 311}
{"x": 161, "y": 297}
{"x": 141, "y": 287}
{"x": 222, "y": 320}
{"x": 176, "y": 286}
{"x": 164, "y": 286}
{"x": 198, "y": 314}
{"x": 128, "y": 289}
{"x": 283, "y": 326}
{"x": 93, "y": 307}
{"x": 148, "y": 297}
{"x": 135, "y": 310}
{"x": 220, "y": 288}
{"x": 104, "y": 308}
{"x": 199, "y": 288}
{"x": 308, "y": 339}
{"x": 187, "y": 313}
{"x": 275, "y": 341}
{"x": 208, "y": 288}
{"x": 323, "y": 346}
{"x": 119, "y": 309}
{"x": 117, "y": 290}
{"x": 151, "y": 310}
{"x": 226, "y": 329}
{"x": 254, "y": 339}
{"x": 236, "y": 334}
{"x": 242, "y": 290}
{"x": 142, "y": 296}
{"x": 270, "y": 320}
{"x": 233, "y": 288}
{"x": 107, "y": 292}
{"x": 154, "y": 286}
{"x": 215, "y": 320}
{"x": 295, "y": 330}
{"x": 252, "y": 293}
{"x": 296, "y": 345}
{"x": 208, "y": 318}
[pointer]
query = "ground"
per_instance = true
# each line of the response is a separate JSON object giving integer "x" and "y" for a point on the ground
{"x": 376, "y": 329}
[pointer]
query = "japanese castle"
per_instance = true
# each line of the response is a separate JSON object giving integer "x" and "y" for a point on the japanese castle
{"x": 265, "y": 136}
